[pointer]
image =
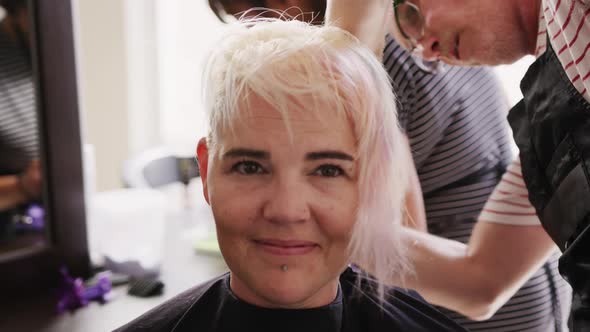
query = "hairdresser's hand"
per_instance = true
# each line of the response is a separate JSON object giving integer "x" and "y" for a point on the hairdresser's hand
{"x": 30, "y": 180}
{"x": 21, "y": 188}
{"x": 368, "y": 20}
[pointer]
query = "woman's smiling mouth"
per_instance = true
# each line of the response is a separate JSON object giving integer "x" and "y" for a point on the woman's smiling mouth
{"x": 285, "y": 247}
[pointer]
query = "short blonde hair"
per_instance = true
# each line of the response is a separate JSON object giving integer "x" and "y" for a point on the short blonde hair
{"x": 281, "y": 61}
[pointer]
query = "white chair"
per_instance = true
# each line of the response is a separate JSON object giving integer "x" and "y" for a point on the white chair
{"x": 158, "y": 167}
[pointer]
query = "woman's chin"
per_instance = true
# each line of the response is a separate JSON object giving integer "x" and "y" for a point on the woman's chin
{"x": 289, "y": 292}
{"x": 294, "y": 299}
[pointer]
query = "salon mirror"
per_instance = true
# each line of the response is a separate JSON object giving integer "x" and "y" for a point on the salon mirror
{"x": 42, "y": 210}
{"x": 22, "y": 207}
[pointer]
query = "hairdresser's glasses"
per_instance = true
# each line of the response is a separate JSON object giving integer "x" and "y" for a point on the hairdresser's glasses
{"x": 410, "y": 22}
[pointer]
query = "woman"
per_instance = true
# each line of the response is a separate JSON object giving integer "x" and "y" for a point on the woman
{"x": 305, "y": 170}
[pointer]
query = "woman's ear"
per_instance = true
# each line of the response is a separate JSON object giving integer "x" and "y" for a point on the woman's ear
{"x": 203, "y": 159}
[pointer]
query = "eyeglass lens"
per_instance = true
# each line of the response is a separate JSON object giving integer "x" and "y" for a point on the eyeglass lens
{"x": 410, "y": 20}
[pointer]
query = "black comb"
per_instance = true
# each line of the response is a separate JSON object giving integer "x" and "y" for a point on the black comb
{"x": 145, "y": 287}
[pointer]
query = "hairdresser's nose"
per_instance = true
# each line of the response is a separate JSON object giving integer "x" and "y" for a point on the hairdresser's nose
{"x": 429, "y": 47}
{"x": 286, "y": 201}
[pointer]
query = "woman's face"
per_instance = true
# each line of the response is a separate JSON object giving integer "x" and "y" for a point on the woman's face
{"x": 284, "y": 206}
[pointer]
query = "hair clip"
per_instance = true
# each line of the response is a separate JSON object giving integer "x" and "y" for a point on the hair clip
{"x": 145, "y": 287}
{"x": 73, "y": 294}
{"x": 32, "y": 219}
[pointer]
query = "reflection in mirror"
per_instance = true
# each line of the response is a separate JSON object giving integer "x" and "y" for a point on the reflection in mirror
{"x": 21, "y": 209}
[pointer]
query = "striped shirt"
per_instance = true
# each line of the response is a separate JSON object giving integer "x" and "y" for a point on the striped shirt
{"x": 456, "y": 124}
{"x": 18, "y": 117}
{"x": 566, "y": 24}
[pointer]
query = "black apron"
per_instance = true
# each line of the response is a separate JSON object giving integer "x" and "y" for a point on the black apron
{"x": 551, "y": 127}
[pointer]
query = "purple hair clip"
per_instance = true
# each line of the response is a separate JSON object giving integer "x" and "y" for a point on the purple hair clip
{"x": 73, "y": 294}
{"x": 37, "y": 215}
{"x": 33, "y": 219}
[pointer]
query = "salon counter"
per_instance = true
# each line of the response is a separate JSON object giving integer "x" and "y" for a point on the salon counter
{"x": 182, "y": 268}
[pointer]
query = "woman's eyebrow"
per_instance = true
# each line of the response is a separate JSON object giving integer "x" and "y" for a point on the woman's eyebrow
{"x": 328, "y": 155}
{"x": 250, "y": 153}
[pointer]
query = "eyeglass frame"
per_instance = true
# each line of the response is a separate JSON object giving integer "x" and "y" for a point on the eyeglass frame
{"x": 415, "y": 46}
{"x": 416, "y": 49}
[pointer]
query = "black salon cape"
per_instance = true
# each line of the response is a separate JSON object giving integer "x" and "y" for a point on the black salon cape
{"x": 213, "y": 307}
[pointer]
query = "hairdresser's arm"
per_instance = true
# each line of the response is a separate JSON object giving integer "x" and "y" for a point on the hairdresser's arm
{"x": 11, "y": 193}
{"x": 18, "y": 189}
{"x": 478, "y": 278}
{"x": 415, "y": 216}
{"x": 366, "y": 19}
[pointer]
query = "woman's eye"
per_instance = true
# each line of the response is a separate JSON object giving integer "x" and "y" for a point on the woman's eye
{"x": 329, "y": 171}
{"x": 248, "y": 168}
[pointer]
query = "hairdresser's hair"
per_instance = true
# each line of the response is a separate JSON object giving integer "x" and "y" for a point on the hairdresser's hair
{"x": 219, "y": 8}
{"x": 13, "y": 6}
{"x": 282, "y": 61}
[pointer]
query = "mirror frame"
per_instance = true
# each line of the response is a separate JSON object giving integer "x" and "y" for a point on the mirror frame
{"x": 54, "y": 68}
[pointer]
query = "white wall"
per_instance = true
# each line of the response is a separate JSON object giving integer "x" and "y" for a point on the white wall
{"x": 187, "y": 29}
{"x": 141, "y": 27}
{"x": 103, "y": 85}
{"x": 140, "y": 64}
{"x": 511, "y": 75}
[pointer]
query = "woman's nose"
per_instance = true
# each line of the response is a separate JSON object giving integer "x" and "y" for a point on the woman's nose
{"x": 287, "y": 202}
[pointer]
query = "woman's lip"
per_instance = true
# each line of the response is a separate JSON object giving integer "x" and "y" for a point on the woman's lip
{"x": 285, "y": 247}
{"x": 285, "y": 243}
